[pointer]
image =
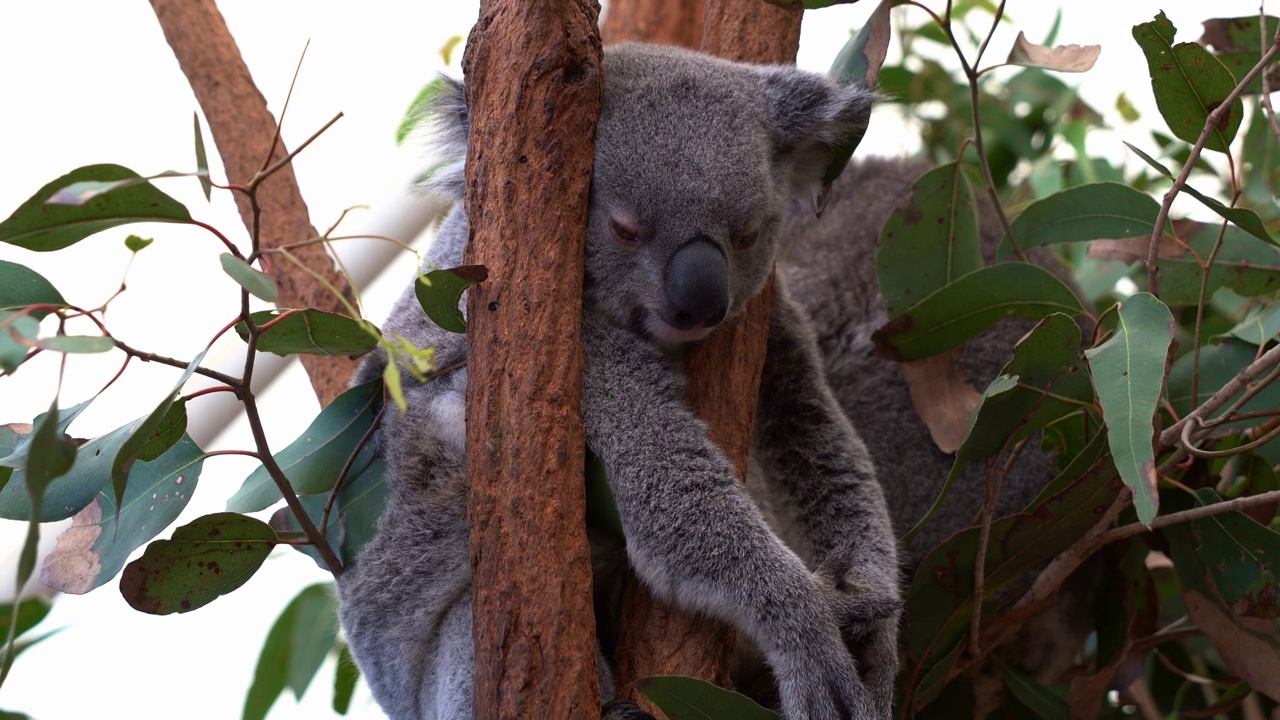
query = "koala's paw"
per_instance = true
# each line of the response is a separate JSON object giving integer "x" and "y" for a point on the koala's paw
{"x": 819, "y": 682}
{"x": 623, "y": 710}
{"x": 867, "y": 606}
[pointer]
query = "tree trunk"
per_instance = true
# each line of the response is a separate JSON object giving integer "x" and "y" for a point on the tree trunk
{"x": 534, "y": 82}
{"x": 725, "y": 369}
{"x": 243, "y": 128}
{"x": 666, "y": 22}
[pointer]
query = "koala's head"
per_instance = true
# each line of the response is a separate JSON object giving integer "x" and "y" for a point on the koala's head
{"x": 695, "y": 161}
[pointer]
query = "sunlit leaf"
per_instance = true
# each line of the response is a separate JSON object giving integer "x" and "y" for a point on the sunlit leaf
{"x": 420, "y": 110}
{"x": 440, "y": 291}
{"x": 37, "y": 225}
{"x": 205, "y": 559}
{"x": 136, "y": 244}
{"x": 1128, "y": 373}
{"x": 345, "y": 676}
{"x": 77, "y": 343}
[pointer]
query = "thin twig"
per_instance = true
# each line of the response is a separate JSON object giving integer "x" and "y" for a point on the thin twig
{"x": 180, "y": 364}
{"x": 1269, "y": 360}
{"x": 1204, "y": 294}
{"x": 1210, "y": 125}
{"x": 994, "y": 479}
{"x": 288, "y": 96}
{"x": 263, "y": 175}
{"x": 346, "y": 468}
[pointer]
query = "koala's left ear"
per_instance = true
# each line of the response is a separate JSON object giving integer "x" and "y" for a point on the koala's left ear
{"x": 811, "y": 114}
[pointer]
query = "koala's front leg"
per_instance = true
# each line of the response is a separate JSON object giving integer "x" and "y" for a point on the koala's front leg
{"x": 821, "y": 481}
{"x": 694, "y": 535}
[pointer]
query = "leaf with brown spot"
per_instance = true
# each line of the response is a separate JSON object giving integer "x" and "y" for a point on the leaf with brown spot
{"x": 1131, "y": 250}
{"x": 209, "y": 557}
{"x": 942, "y": 397}
{"x": 1063, "y": 58}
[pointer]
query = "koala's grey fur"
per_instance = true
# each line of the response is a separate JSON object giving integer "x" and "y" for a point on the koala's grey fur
{"x": 829, "y": 265}
{"x": 690, "y": 151}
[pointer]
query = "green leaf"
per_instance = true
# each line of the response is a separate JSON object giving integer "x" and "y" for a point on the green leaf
{"x": 15, "y": 445}
{"x": 297, "y": 644}
{"x": 103, "y": 535}
{"x": 144, "y": 432}
{"x": 1045, "y": 381}
{"x": 21, "y": 286}
{"x": 1128, "y": 373}
{"x": 1261, "y": 161}
{"x": 38, "y": 225}
{"x": 1237, "y": 42}
{"x": 353, "y": 520}
{"x": 206, "y": 558}
{"x": 1246, "y": 266}
{"x": 77, "y": 344}
{"x": 685, "y": 698}
{"x": 49, "y": 455}
{"x": 17, "y": 332}
{"x": 1260, "y": 327}
{"x": 930, "y": 241}
{"x": 30, "y": 611}
{"x": 258, "y": 283}
{"x": 948, "y": 317}
{"x": 1241, "y": 556}
{"x": 313, "y": 461}
{"x": 940, "y": 601}
{"x": 1044, "y": 702}
{"x": 858, "y": 62}
{"x": 421, "y": 109}
{"x": 1219, "y": 363}
{"x": 345, "y": 676}
{"x": 1189, "y": 83}
{"x": 1103, "y": 210}
{"x": 440, "y": 291}
{"x": 137, "y": 244}
{"x": 202, "y": 160}
{"x": 311, "y": 332}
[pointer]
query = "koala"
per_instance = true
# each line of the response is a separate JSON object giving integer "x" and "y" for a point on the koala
{"x": 696, "y": 160}
{"x": 829, "y": 267}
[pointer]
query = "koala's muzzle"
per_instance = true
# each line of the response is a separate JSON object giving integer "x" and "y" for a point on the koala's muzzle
{"x": 697, "y": 286}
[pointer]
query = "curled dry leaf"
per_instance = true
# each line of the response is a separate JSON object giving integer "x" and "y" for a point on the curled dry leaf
{"x": 1063, "y": 58}
{"x": 942, "y": 397}
{"x": 73, "y": 564}
{"x": 1134, "y": 249}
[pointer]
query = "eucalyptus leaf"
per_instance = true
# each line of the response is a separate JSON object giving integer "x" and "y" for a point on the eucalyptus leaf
{"x": 686, "y": 698}
{"x": 1128, "y": 373}
{"x": 312, "y": 462}
{"x": 258, "y": 283}
{"x": 202, "y": 159}
{"x": 440, "y": 291}
{"x": 951, "y": 315}
{"x": 1044, "y": 702}
{"x": 1189, "y": 83}
{"x": 1085, "y": 212}
{"x": 296, "y": 646}
{"x": 311, "y": 332}
{"x": 77, "y": 343}
{"x": 353, "y": 519}
{"x": 205, "y": 559}
{"x": 17, "y": 334}
{"x": 930, "y": 241}
{"x": 345, "y": 676}
{"x": 21, "y": 286}
{"x": 38, "y": 225}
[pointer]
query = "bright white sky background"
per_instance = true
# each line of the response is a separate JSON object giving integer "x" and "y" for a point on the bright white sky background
{"x": 84, "y": 81}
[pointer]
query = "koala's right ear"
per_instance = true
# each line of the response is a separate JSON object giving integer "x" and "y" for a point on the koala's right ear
{"x": 811, "y": 114}
{"x": 449, "y": 126}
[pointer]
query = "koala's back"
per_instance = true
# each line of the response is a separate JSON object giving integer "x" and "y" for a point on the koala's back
{"x": 829, "y": 266}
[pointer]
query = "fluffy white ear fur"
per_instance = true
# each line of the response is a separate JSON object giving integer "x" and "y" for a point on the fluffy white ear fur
{"x": 812, "y": 113}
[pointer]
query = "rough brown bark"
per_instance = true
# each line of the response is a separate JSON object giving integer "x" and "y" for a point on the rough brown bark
{"x": 242, "y": 128}
{"x": 657, "y": 639}
{"x": 666, "y": 22}
{"x": 533, "y": 70}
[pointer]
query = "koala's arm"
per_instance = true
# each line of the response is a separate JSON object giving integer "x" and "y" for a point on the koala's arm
{"x": 820, "y": 481}
{"x": 693, "y": 533}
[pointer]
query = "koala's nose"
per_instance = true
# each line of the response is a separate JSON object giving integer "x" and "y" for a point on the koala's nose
{"x": 697, "y": 285}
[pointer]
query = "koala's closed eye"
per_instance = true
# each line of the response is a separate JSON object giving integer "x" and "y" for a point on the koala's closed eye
{"x": 625, "y": 231}
{"x": 744, "y": 240}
